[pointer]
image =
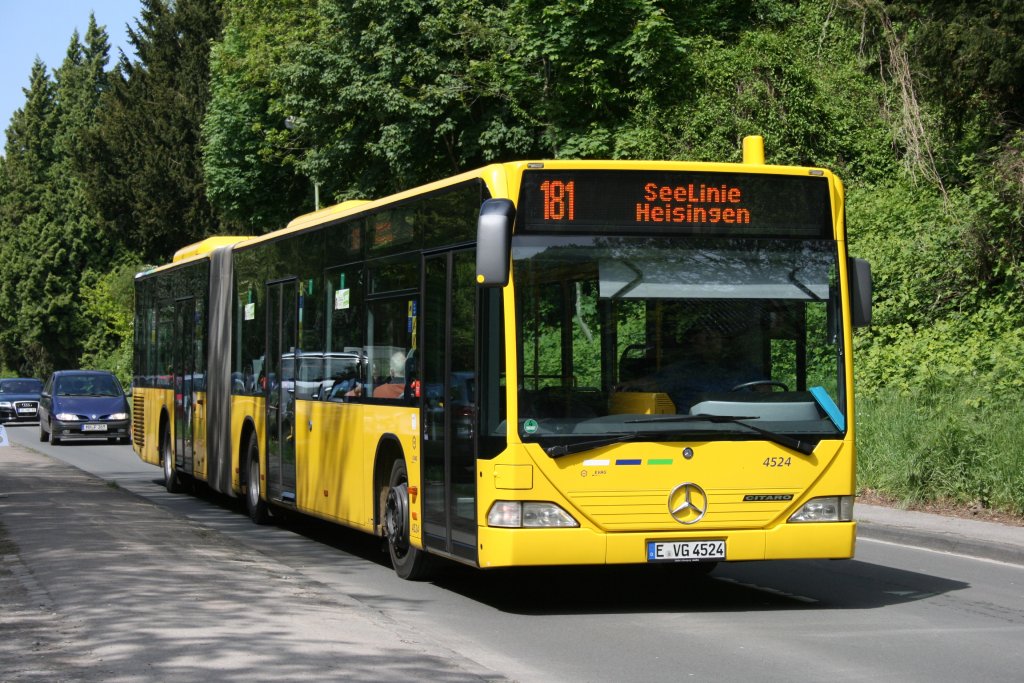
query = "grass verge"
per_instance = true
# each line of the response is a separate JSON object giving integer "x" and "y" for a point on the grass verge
{"x": 942, "y": 444}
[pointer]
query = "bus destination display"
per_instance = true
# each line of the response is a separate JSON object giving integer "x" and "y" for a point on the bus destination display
{"x": 651, "y": 202}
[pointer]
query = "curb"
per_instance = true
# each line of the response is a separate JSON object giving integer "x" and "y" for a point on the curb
{"x": 973, "y": 538}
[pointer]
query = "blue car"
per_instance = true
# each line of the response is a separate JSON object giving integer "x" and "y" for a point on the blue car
{"x": 19, "y": 399}
{"x": 83, "y": 404}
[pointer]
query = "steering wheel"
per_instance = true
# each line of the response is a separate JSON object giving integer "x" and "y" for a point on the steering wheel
{"x": 759, "y": 383}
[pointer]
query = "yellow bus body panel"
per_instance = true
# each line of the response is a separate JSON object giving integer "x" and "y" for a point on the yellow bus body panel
{"x": 152, "y": 402}
{"x": 246, "y": 409}
{"x": 330, "y": 479}
{"x": 336, "y": 445}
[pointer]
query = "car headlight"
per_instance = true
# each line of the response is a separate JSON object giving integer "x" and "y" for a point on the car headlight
{"x": 5, "y": 404}
{"x": 66, "y": 417}
{"x": 515, "y": 514}
{"x": 118, "y": 416}
{"x": 825, "y": 509}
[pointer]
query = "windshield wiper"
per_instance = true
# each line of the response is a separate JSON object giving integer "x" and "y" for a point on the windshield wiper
{"x": 783, "y": 440}
{"x": 579, "y": 446}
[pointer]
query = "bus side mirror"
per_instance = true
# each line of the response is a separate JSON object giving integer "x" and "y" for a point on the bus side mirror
{"x": 860, "y": 291}
{"x": 494, "y": 242}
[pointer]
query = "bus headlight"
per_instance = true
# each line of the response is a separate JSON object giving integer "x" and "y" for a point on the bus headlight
{"x": 515, "y": 514}
{"x": 826, "y": 509}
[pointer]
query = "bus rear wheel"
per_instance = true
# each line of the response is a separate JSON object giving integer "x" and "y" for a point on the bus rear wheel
{"x": 409, "y": 562}
{"x": 259, "y": 511}
{"x": 171, "y": 480}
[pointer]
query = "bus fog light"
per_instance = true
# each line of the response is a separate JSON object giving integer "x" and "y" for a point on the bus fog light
{"x": 534, "y": 515}
{"x": 826, "y": 509}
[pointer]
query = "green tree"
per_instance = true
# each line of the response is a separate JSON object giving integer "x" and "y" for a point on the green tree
{"x": 385, "y": 95}
{"x": 968, "y": 56}
{"x": 72, "y": 238}
{"x": 108, "y": 302}
{"x": 24, "y": 209}
{"x": 146, "y": 179}
{"x": 250, "y": 156}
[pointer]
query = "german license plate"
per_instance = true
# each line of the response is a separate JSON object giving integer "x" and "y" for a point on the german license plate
{"x": 685, "y": 551}
{"x": 94, "y": 428}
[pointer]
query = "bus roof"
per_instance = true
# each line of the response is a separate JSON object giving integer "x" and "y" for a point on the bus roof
{"x": 503, "y": 178}
{"x": 205, "y": 246}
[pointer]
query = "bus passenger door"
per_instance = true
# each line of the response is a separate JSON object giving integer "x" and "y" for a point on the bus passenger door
{"x": 183, "y": 381}
{"x": 449, "y": 404}
{"x": 280, "y": 388}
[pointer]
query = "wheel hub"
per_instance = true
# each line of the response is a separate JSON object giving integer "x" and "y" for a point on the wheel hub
{"x": 395, "y": 515}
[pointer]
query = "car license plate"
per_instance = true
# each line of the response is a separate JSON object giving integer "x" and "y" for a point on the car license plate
{"x": 685, "y": 551}
{"x": 94, "y": 428}
{"x": 26, "y": 411}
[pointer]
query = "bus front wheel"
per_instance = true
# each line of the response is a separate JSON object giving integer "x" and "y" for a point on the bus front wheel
{"x": 409, "y": 562}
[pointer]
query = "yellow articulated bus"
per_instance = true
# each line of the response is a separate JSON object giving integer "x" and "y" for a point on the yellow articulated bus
{"x": 534, "y": 363}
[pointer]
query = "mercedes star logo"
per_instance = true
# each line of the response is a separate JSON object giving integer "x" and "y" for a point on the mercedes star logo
{"x": 687, "y": 503}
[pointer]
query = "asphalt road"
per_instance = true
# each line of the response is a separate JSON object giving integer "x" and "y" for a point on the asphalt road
{"x": 327, "y": 594}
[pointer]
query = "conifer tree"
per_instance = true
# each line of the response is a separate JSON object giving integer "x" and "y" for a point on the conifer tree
{"x": 24, "y": 209}
{"x": 147, "y": 176}
{"x": 73, "y": 240}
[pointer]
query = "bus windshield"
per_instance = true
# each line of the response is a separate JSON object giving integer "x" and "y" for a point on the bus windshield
{"x": 613, "y": 329}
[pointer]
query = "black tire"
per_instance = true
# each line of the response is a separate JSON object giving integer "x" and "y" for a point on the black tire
{"x": 410, "y": 563}
{"x": 54, "y": 440}
{"x": 43, "y": 434}
{"x": 172, "y": 482}
{"x": 259, "y": 511}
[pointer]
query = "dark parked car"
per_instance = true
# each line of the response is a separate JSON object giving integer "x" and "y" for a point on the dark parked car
{"x": 83, "y": 404}
{"x": 19, "y": 399}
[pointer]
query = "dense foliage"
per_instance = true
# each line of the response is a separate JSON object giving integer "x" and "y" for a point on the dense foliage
{"x": 232, "y": 113}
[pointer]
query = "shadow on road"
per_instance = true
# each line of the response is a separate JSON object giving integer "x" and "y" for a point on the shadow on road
{"x": 749, "y": 586}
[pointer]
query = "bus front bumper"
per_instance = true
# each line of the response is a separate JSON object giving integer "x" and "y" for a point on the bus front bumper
{"x": 540, "y": 547}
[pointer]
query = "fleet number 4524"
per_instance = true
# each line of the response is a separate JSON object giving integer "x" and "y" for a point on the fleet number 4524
{"x": 777, "y": 462}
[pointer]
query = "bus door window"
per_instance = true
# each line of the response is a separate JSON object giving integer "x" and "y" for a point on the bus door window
{"x": 450, "y": 398}
{"x": 282, "y": 325}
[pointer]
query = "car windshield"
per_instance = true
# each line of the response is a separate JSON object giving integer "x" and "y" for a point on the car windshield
{"x": 20, "y": 386}
{"x": 614, "y": 329}
{"x": 87, "y": 385}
